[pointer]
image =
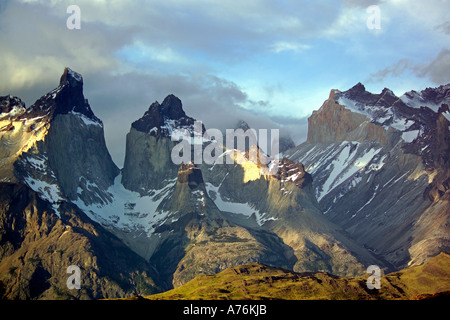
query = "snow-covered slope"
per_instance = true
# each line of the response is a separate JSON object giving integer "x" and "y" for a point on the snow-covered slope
{"x": 380, "y": 167}
{"x": 432, "y": 98}
{"x": 128, "y": 210}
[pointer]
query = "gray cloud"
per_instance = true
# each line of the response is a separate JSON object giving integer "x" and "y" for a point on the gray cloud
{"x": 394, "y": 70}
{"x": 443, "y": 27}
{"x": 120, "y": 100}
{"x": 437, "y": 70}
{"x": 229, "y": 31}
{"x": 36, "y": 46}
{"x": 3, "y": 4}
{"x": 362, "y": 3}
{"x": 35, "y": 50}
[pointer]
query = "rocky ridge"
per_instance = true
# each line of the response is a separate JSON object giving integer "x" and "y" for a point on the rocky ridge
{"x": 382, "y": 182}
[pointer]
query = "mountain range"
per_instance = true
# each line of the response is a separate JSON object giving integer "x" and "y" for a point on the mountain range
{"x": 368, "y": 187}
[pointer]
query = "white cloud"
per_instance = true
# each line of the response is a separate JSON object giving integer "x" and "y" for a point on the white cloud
{"x": 140, "y": 52}
{"x": 288, "y": 46}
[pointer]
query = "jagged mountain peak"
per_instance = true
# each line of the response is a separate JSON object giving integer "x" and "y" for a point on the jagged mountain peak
{"x": 67, "y": 139}
{"x": 71, "y": 78}
{"x": 387, "y": 91}
{"x": 156, "y": 127}
{"x": 388, "y": 111}
{"x": 432, "y": 98}
{"x": 67, "y": 98}
{"x": 172, "y": 107}
{"x": 359, "y": 115}
{"x": 437, "y": 94}
{"x": 162, "y": 119}
{"x": 363, "y": 98}
{"x": 359, "y": 87}
{"x": 290, "y": 171}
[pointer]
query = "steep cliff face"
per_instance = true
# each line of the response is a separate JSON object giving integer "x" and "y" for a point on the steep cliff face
{"x": 333, "y": 122}
{"x": 382, "y": 184}
{"x": 57, "y": 145}
{"x": 52, "y": 155}
{"x": 148, "y": 164}
{"x": 189, "y": 193}
{"x": 149, "y": 145}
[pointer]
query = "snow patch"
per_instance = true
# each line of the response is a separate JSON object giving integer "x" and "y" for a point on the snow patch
{"x": 410, "y": 136}
{"x": 49, "y": 192}
{"x": 16, "y": 110}
{"x": 87, "y": 121}
{"x": 345, "y": 165}
{"x": 368, "y": 202}
{"x": 375, "y": 166}
{"x": 236, "y": 207}
{"x": 413, "y": 99}
{"x": 129, "y": 211}
{"x": 401, "y": 124}
{"x": 377, "y": 114}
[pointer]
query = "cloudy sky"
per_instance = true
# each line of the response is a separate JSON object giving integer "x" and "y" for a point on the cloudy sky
{"x": 269, "y": 62}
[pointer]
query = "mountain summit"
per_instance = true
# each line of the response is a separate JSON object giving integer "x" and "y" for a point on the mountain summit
{"x": 71, "y": 78}
{"x": 164, "y": 118}
{"x": 149, "y": 145}
{"x": 66, "y": 98}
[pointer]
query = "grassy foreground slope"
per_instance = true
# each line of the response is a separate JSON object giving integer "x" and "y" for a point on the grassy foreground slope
{"x": 258, "y": 281}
